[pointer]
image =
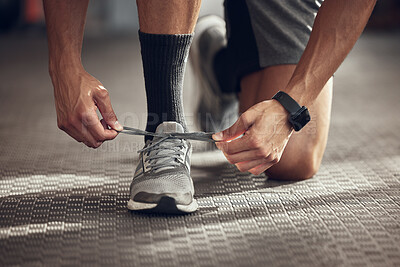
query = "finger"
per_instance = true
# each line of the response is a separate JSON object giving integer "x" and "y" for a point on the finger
{"x": 261, "y": 168}
{"x": 90, "y": 141}
{"x": 104, "y": 124}
{"x": 237, "y": 129}
{"x": 103, "y": 102}
{"x": 248, "y": 155}
{"x": 244, "y": 143}
{"x": 247, "y": 165}
{"x": 100, "y": 134}
{"x": 74, "y": 134}
{"x": 96, "y": 128}
{"x": 87, "y": 137}
{"x": 71, "y": 131}
{"x": 106, "y": 127}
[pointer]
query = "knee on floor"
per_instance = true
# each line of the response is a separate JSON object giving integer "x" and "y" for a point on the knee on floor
{"x": 299, "y": 168}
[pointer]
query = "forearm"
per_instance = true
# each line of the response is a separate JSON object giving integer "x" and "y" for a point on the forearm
{"x": 336, "y": 29}
{"x": 65, "y": 22}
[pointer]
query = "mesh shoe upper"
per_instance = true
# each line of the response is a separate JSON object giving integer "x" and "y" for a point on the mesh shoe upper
{"x": 164, "y": 168}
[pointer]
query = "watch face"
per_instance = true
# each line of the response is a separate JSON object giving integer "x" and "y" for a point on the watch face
{"x": 300, "y": 118}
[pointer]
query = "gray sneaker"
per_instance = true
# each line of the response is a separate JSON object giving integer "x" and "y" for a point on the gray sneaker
{"x": 217, "y": 110}
{"x": 162, "y": 181}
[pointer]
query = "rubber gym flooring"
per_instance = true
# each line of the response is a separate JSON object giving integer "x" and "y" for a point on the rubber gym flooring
{"x": 62, "y": 204}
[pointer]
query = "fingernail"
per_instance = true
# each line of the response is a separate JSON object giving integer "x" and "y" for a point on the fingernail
{"x": 217, "y": 136}
{"x": 118, "y": 126}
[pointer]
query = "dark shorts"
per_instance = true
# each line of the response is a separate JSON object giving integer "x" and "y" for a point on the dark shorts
{"x": 263, "y": 33}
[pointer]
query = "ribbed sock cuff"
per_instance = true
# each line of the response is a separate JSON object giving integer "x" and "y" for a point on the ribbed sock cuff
{"x": 165, "y": 48}
{"x": 164, "y": 58}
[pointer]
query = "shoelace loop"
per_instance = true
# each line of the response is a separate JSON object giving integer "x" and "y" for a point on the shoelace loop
{"x": 171, "y": 142}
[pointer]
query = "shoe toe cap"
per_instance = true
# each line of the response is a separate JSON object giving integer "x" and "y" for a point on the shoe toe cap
{"x": 146, "y": 197}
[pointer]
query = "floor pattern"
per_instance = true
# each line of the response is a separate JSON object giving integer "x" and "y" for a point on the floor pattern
{"x": 65, "y": 205}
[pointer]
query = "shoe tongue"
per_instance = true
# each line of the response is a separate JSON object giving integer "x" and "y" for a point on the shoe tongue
{"x": 166, "y": 127}
{"x": 169, "y": 127}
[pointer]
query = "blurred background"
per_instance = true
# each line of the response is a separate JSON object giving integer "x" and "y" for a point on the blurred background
{"x": 120, "y": 16}
{"x": 111, "y": 51}
{"x": 64, "y": 204}
{"x": 111, "y": 40}
{"x": 104, "y": 16}
{"x": 112, "y": 54}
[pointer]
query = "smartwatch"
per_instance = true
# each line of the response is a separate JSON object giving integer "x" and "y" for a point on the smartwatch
{"x": 298, "y": 116}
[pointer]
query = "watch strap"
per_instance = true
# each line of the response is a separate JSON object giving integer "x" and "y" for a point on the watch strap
{"x": 287, "y": 102}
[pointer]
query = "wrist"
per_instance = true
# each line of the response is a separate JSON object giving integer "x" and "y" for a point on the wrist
{"x": 297, "y": 91}
{"x": 298, "y": 115}
{"x": 57, "y": 68}
{"x": 303, "y": 89}
{"x": 280, "y": 108}
{"x": 64, "y": 62}
{"x": 283, "y": 115}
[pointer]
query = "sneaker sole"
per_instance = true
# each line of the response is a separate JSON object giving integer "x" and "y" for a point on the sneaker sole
{"x": 166, "y": 205}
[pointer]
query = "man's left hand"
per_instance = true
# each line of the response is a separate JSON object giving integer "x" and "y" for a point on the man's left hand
{"x": 266, "y": 131}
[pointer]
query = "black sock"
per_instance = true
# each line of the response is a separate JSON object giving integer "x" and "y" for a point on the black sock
{"x": 164, "y": 59}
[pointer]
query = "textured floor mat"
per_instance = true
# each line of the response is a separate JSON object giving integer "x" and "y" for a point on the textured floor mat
{"x": 63, "y": 204}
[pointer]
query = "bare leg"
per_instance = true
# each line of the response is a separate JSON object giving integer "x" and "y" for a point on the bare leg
{"x": 303, "y": 153}
{"x": 168, "y": 17}
{"x": 165, "y": 36}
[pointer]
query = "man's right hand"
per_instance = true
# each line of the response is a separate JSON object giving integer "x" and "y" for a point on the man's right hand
{"x": 77, "y": 97}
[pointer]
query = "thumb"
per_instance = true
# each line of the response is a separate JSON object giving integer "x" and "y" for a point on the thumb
{"x": 237, "y": 129}
{"x": 103, "y": 102}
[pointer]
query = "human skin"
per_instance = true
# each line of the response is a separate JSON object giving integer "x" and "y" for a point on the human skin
{"x": 168, "y": 17}
{"x": 303, "y": 153}
{"x": 264, "y": 122}
{"x": 77, "y": 93}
